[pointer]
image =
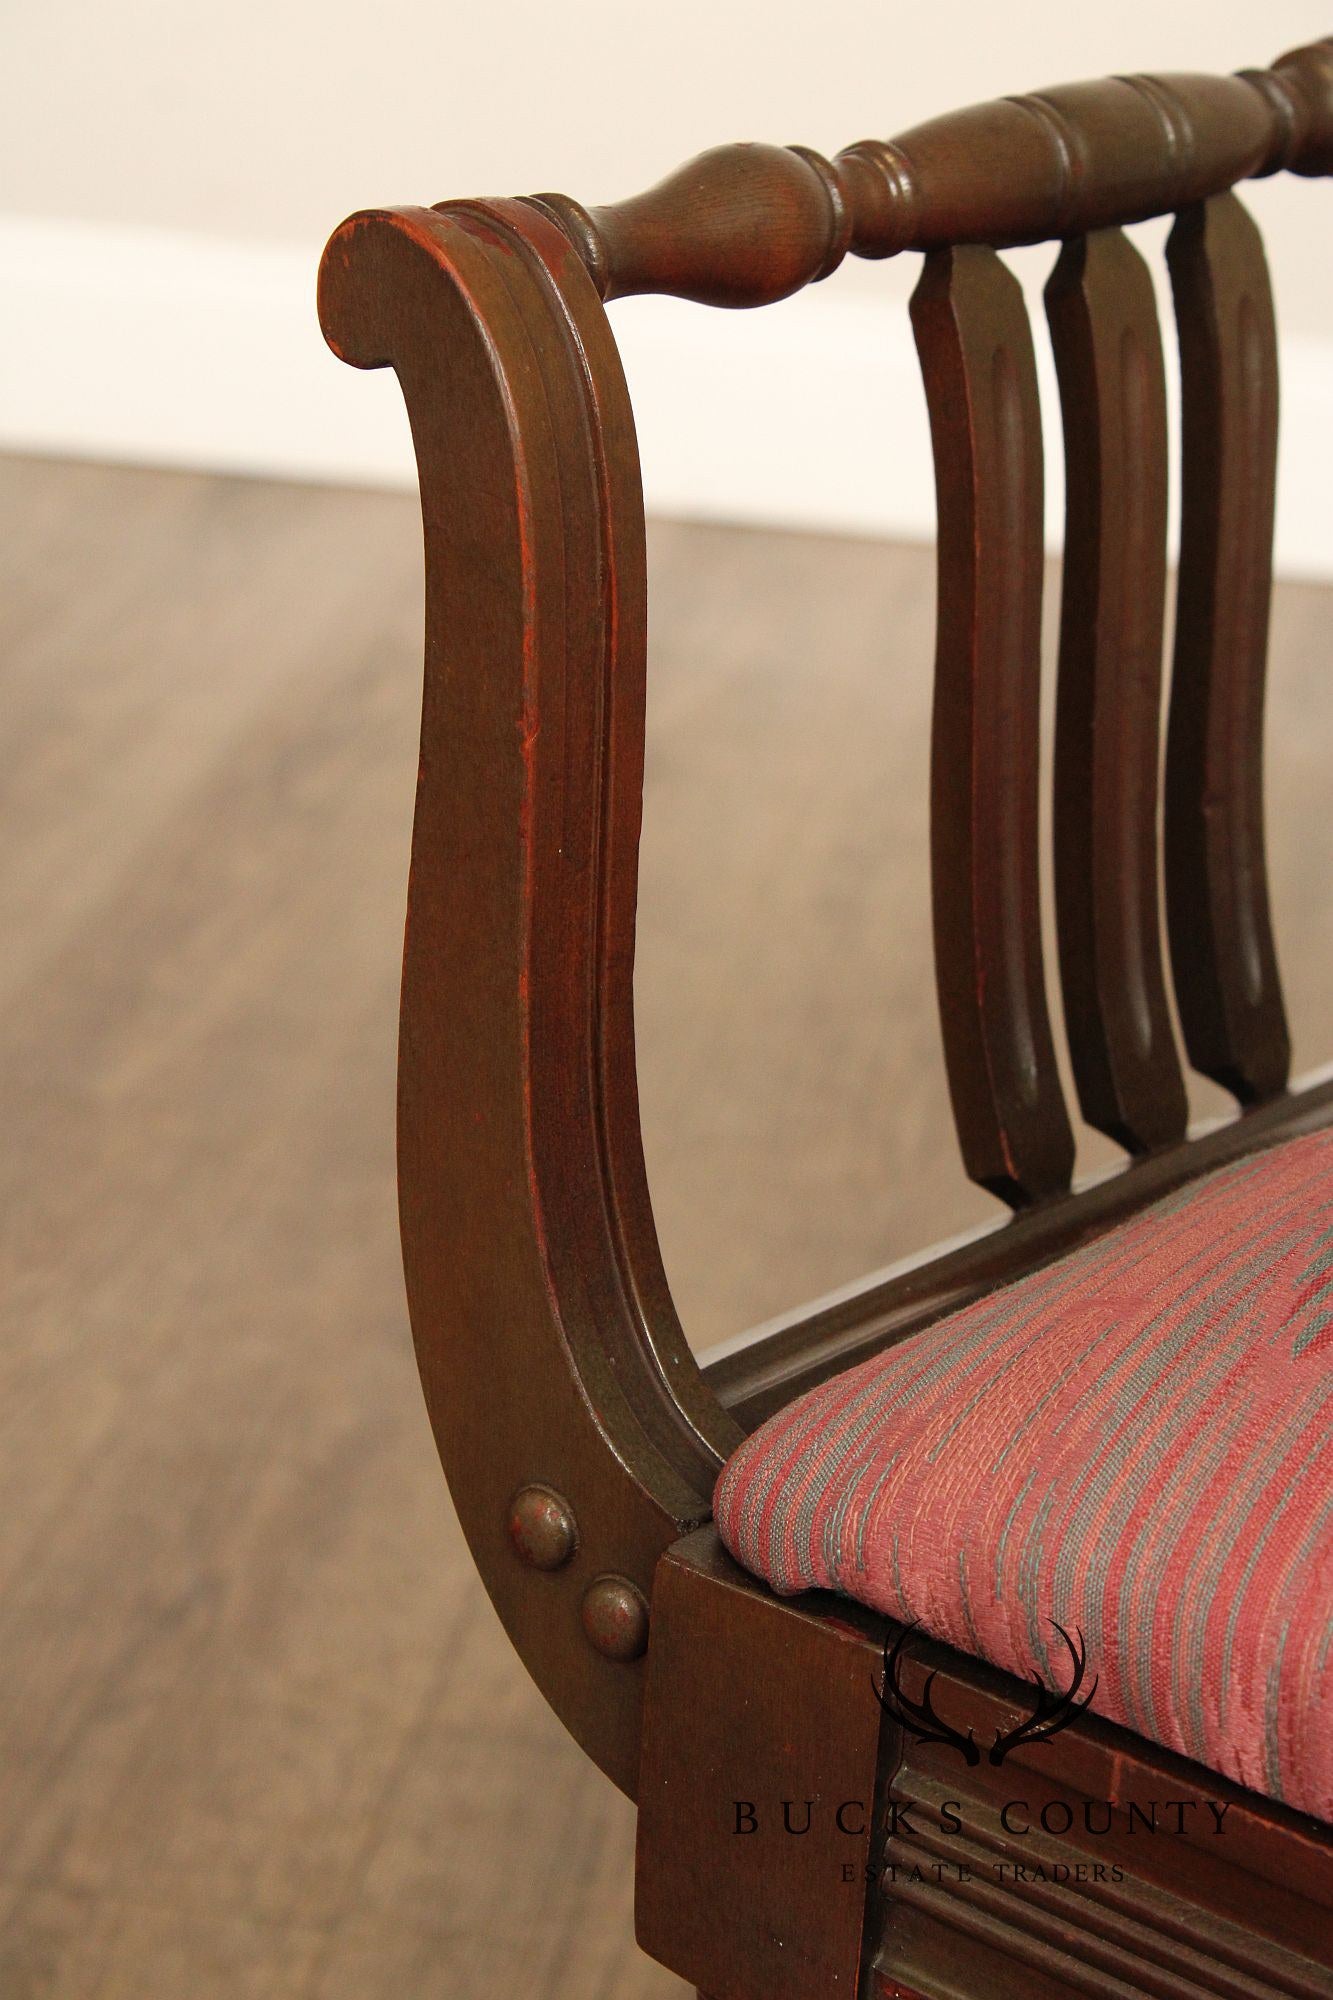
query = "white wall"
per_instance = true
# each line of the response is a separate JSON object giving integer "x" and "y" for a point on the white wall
{"x": 168, "y": 172}
{"x": 268, "y": 120}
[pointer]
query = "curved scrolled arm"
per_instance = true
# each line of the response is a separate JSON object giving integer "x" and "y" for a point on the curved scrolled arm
{"x": 575, "y": 1430}
{"x": 747, "y": 224}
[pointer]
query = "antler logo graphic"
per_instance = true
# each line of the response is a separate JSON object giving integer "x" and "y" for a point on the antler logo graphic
{"x": 918, "y": 1716}
{"x": 1053, "y": 1711}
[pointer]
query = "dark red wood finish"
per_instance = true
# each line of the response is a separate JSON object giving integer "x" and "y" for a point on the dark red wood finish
{"x": 547, "y": 1351}
{"x": 816, "y": 1342}
{"x": 580, "y": 1437}
{"x": 981, "y": 388}
{"x": 745, "y": 225}
{"x": 762, "y": 1915}
{"x": 1216, "y": 885}
{"x": 1108, "y": 355}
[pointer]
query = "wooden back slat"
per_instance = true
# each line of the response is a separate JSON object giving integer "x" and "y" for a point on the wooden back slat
{"x": 1222, "y": 948}
{"x": 1108, "y": 356}
{"x": 975, "y": 345}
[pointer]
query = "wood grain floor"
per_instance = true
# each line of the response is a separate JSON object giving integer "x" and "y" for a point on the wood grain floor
{"x": 260, "y": 1734}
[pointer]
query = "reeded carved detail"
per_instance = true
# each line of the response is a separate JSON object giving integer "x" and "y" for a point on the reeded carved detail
{"x": 1056, "y": 1906}
{"x": 975, "y": 346}
{"x": 1222, "y": 949}
{"x": 746, "y": 224}
{"x": 1108, "y": 356}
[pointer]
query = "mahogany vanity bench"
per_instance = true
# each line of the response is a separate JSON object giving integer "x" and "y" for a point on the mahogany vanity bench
{"x": 582, "y": 1441}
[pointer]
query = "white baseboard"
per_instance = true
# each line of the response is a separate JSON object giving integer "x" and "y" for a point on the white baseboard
{"x": 164, "y": 349}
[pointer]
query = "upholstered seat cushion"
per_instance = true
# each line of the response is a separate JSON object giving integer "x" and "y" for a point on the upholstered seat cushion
{"x": 1136, "y": 1441}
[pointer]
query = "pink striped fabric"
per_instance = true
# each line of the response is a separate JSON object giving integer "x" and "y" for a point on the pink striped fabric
{"x": 1137, "y": 1441}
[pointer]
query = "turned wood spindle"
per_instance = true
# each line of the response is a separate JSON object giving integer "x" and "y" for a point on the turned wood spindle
{"x": 744, "y": 225}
